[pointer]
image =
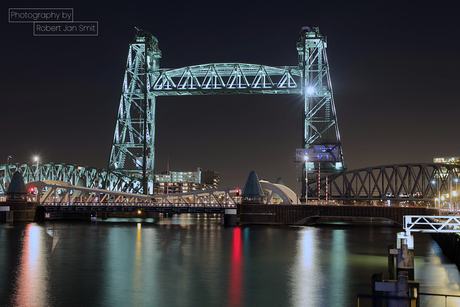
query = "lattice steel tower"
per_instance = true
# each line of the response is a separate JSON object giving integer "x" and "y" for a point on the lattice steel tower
{"x": 133, "y": 146}
{"x": 321, "y": 137}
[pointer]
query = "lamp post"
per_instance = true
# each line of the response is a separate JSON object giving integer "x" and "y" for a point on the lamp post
{"x": 439, "y": 195}
{"x": 38, "y": 173}
{"x": 306, "y": 179}
{"x": 8, "y": 176}
{"x": 297, "y": 182}
{"x": 455, "y": 193}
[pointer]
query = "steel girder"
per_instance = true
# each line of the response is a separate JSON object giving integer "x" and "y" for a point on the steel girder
{"x": 399, "y": 182}
{"x": 83, "y": 176}
{"x": 227, "y": 78}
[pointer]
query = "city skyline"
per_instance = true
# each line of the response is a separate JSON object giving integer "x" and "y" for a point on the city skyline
{"x": 394, "y": 87}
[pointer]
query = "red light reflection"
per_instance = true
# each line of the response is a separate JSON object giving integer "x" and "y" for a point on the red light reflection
{"x": 235, "y": 286}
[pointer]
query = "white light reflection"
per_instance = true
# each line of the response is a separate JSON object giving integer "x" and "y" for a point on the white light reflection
{"x": 306, "y": 278}
{"x": 137, "y": 269}
{"x": 437, "y": 276}
{"x": 32, "y": 285}
{"x": 339, "y": 265}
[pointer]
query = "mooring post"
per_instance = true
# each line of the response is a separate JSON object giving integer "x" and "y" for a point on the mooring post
{"x": 404, "y": 254}
{"x": 391, "y": 263}
{"x": 377, "y": 300}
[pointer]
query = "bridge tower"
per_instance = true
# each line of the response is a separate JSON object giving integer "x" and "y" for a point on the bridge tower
{"x": 321, "y": 136}
{"x": 133, "y": 145}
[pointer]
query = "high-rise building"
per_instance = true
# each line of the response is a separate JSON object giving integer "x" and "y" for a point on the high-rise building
{"x": 183, "y": 182}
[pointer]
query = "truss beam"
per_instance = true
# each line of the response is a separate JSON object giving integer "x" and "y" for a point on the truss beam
{"x": 226, "y": 79}
{"x": 431, "y": 224}
{"x": 399, "y": 182}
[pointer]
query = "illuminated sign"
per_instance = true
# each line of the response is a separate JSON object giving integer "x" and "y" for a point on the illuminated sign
{"x": 319, "y": 153}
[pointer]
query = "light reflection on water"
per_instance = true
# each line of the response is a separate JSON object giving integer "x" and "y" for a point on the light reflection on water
{"x": 31, "y": 286}
{"x": 235, "y": 283}
{"x": 194, "y": 261}
{"x": 306, "y": 265}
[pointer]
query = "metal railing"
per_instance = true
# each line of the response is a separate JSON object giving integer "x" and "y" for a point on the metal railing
{"x": 386, "y": 297}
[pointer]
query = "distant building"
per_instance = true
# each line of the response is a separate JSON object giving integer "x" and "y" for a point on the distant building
{"x": 451, "y": 160}
{"x": 183, "y": 182}
{"x": 448, "y": 160}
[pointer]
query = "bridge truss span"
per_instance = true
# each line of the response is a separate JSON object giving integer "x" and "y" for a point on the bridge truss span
{"x": 227, "y": 78}
{"x": 55, "y": 192}
{"x": 399, "y": 182}
{"x": 73, "y": 174}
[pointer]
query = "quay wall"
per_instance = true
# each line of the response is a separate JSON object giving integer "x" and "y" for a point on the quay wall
{"x": 19, "y": 211}
{"x": 308, "y": 214}
{"x": 450, "y": 245}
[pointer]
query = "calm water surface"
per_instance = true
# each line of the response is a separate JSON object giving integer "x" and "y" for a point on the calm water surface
{"x": 193, "y": 261}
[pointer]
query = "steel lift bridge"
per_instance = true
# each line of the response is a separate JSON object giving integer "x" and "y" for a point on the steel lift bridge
{"x": 133, "y": 146}
{"x": 134, "y": 137}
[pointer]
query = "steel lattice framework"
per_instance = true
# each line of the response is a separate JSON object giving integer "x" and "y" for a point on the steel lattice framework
{"x": 228, "y": 78}
{"x": 399, "y": 182}
{"x": 133, "y": 146}
{"x": 76, "y": 175}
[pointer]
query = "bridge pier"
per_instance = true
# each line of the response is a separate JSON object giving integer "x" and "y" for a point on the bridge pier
{"x": 6, "y": 216}
{"x": 229, "y": 217}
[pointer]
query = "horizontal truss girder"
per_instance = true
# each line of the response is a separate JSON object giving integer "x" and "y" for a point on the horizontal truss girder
{"x": 227, "y": 78}
{"x": 399, "y": 182}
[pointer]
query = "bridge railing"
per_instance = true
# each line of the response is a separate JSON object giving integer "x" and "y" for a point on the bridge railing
{"x": 156, "y": 205}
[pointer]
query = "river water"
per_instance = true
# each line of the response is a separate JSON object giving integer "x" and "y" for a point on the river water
{"x": 187, "y": 260}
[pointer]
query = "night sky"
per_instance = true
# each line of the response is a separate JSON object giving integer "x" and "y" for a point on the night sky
{"x": 394, "y": 66}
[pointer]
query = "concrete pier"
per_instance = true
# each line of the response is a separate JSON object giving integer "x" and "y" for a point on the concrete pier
{"x": 6, "y": 216}
{"x": 229, "y": 218}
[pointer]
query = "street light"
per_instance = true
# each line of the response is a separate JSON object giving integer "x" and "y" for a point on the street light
{"x": 310, "y": 90}
{"x": 439, "y": 196}
{"x": 8, "y": 176}
{"x": 306, "y": 179}
{"x": 38, "y": 173}
{"x": 455, "y": 193}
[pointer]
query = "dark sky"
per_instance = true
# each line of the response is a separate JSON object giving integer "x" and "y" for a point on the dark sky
{"x": 394, "y": 66}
